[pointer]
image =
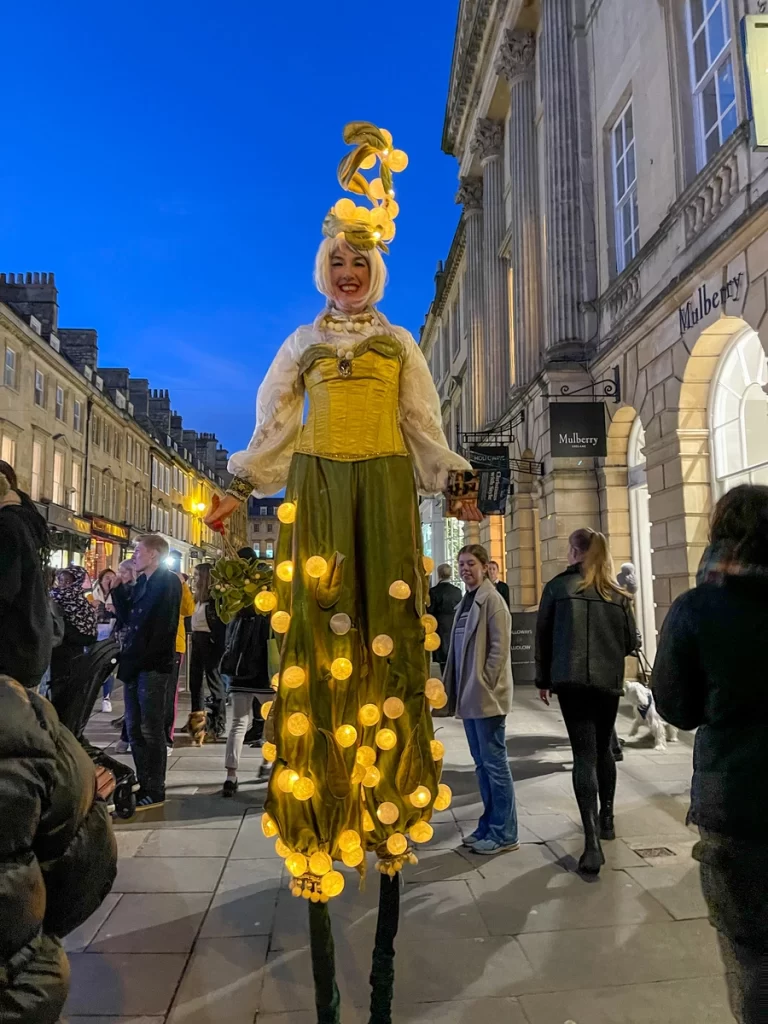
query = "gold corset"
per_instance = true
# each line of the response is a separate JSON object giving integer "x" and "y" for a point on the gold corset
{"x": 353, "y": 401}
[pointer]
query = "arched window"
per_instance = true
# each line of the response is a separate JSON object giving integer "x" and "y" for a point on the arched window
{"x": 739, "y": 414}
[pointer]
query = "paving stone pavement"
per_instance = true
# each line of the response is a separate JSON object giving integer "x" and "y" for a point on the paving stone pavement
{"x": 200, "y": 926}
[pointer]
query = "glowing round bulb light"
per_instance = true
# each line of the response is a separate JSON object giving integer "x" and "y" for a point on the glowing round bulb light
{"x": 429, "y": 622}
{"x": 349, "y": 840}
{"x": 358, "y": 774}
{"x": 275, "y": 681}
{"x": 369, "y": 714}
{"x": 287, "y": 779}
{"x": 298, "y": 724}
{"x": 443, "y": 798}
{"x": 265, "y": 601}
{"x": 280, "y": 622}
{"x": 368, "y": 822}
{"x": 383, "y": 645}
{"x": 372, "y": 777}
{"x": 303, "y": 789}
{"x": 266, "y": 707}
{"x": 366, "y": 756}
{"x": 285, "y": 571}
{"x": 268, "y": 826}
{"x": 421, "y": 832}
{"x": 400, "y": 590}
{"x": 286, "y": 512}
{"x": 296, "y": 864}
{"x": 332, "y": 883}
{"x": 393, "y": 707}
{"x": 346, "y": 735}
{"x": 320, "y": 863}
{"x": 316, "y": 566}
{"x": 420, "y": 797}
{"x": 268, "y": 752}
{"x": 433, "y": 689}
{"x": 282, "y": 849}
{"x": 341, "y": 668}
{"x": 353, "y": 857}
{"x": 440, "y": 701}
{"x": 432, "y": 641}
{"x": 428, "y": 563}
{"x": 438, "y": 750}
{"x": 397, "y": 844}
{"x": 388, "y": 813}
{"x": 294, "y": 676}
{"x": 340, "y": 624}
{"x": 386, "y": 739}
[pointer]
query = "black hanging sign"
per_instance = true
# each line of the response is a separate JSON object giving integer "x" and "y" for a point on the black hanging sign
{"x": 577, "y": 429}
{"x": 492, "y": 464}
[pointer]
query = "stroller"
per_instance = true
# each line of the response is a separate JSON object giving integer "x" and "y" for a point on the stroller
{"x": 88, "y": 674}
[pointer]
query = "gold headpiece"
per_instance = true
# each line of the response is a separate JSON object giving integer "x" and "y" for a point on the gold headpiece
{"x": 361, "y": 227}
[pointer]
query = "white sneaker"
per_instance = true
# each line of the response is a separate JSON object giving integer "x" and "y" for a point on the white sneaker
{"x": 170, "y": 750}
{"x": 122, "y": 747}
{"x": 106, "y": 705}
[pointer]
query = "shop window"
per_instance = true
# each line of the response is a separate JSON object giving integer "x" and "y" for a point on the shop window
{"x": 626, "y": 224}
{"x": 712, "y": 80}
{"x": 9, "y": 371}
{"x": 739, "y": 414}
{"x": 36, "y": 483}
{"x": 39, "y": 387}
{"x": 58, "y": 478}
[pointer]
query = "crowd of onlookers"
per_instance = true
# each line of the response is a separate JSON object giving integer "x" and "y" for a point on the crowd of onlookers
{"x": 57, "y": 851}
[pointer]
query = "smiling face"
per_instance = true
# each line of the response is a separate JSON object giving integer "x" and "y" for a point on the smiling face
{"x": 350, "y": 279}
{"x": 471, "y": 570}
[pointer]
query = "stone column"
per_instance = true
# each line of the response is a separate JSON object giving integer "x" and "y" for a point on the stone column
{"x": 488, "y": 143}
{"x": 563, "y": 226}
{"x": 470, "y": 195}
{"x": 516, "y": 63}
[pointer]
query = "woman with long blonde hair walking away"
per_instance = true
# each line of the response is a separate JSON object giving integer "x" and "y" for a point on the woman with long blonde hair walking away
{"x": 585, "y": 629}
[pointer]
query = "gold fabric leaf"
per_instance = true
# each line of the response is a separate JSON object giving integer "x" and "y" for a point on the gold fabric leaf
{"x": 330, "y": 583}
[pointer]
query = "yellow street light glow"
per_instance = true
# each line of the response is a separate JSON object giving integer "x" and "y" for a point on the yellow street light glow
{"x": 388, "y": 813}
{"x": 316, "y": 566}
{"x": 298, "y": 724}
{"x": 393, "y": 707}
{"x": 332, "y": 883}
{"x": 282, "y": 849}
{"x": 438, "y": 750}
{"x": 285, "y": 571}
{"x": 397, "y": 844}
{"x": 268, "y": 826}
{"x": 443, "y": 798}
{"x": 386, "y": 739}
{"x": 303, "y": 789}
{"x": 369, "y": 714}
{"x": 429, "y": 622}
{"x": 372, "y": 777}
{"x": 286, "y": 512}
{"x": 440, "y": 701}
{"x": 420, "y": 797}
{"x": 434, "y": 688}
{"x": 268, "y": 752}
{"x": 280, "y": 622}
{"x": 349, "y": 840}
{"x": 287, "y": 779}
{"x": 432, "y": 641}
{"x": 266, "y": 601}
{"x": 346, "y": 735}
{"x": 341, "y": 668}
{"x": 266, "y": 707}
{"x": 353, "y": 857}
{"x": 421, "y": 832}
{"x": 294, "y": 676}
{"x": 366, "y": 756}
{"x": 320, "y": 863}
{"x": 296, "y": 864}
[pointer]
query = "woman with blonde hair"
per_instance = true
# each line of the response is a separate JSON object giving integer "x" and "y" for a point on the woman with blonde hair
{"x": 584, "y": 631}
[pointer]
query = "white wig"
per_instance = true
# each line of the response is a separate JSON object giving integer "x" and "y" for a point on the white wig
{"x": 376, "y": 266}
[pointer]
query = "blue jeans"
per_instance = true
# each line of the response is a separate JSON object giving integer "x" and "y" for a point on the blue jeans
{"x": 145, "y": 701}
{"x": 488, "y": 747}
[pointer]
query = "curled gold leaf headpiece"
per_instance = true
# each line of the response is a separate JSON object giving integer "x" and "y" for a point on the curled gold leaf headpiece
{"x": 362, "y": 227}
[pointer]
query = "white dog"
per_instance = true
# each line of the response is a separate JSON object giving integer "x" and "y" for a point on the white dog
{"x": 641, "y": 699}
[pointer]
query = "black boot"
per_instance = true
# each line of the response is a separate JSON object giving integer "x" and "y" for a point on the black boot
{"x": 607, "y": 831}
{"x": 592, "y": 859}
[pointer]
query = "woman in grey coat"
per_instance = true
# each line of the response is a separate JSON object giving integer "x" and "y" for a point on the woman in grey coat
{"x": 478, "y": 678}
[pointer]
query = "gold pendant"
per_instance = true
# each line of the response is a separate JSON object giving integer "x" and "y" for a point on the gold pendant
{"x": 345, "y": 367}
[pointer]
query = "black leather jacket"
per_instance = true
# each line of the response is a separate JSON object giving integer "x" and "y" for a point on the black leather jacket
{"x": 582, "y": 639}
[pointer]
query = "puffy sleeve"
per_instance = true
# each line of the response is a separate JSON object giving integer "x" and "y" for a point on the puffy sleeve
{"x": 421, "y": 422}
{"x": 279, "y": 409}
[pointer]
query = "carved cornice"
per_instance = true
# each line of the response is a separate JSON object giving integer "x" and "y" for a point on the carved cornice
{"x": 467, "y": 49}
{"x": 488, "y": 139}
{"x": 470, "y": 194}
{"x": 516, "y": 56}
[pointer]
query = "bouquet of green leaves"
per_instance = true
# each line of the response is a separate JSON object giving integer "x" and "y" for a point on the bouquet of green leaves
{"x": 238, "y": 583}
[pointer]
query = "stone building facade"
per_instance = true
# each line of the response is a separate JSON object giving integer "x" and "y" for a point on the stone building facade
{"x": 98, "y": 451}
{"x": 613, "y": 229}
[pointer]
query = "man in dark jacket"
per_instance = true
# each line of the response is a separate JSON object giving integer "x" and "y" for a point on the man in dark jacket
{"x": 709, "y": 675}
{"x": 498, "y": 582}
{"x": 26, "y": 629}
{"x": 58, "y": 857}
{"x": 444, "y": 599}
{"x": 148, "y": 612}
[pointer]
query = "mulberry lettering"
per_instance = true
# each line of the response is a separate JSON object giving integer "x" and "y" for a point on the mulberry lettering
{"x": 577, "y": 440}
{"x": 695, "y": 310}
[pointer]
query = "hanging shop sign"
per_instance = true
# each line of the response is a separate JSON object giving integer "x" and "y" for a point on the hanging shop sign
{"x": 704, "y": 301}
{"x": 64, "y": 519}
{"x": 524, "y": 647}
{"x": 577, "y": 429}
{"x": 112, "y": 531}
{"x": 754, "y": 31}
{"x": 492, "y": 464}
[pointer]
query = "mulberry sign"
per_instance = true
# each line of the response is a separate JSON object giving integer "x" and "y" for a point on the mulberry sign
{"x": 704, "y": 301}
{"x": 577, "y": 429}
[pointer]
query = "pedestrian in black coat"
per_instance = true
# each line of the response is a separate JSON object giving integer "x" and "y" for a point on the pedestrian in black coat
{"x": 444, "y": 599}
{"x": 710, "y": 675}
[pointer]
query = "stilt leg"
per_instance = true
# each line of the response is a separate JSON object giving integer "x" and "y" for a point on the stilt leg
{"x": 323, "y": 964}
{"x": 383, "y": 967}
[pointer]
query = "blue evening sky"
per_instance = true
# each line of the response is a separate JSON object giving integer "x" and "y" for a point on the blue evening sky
{"x": 172, "y": 163}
